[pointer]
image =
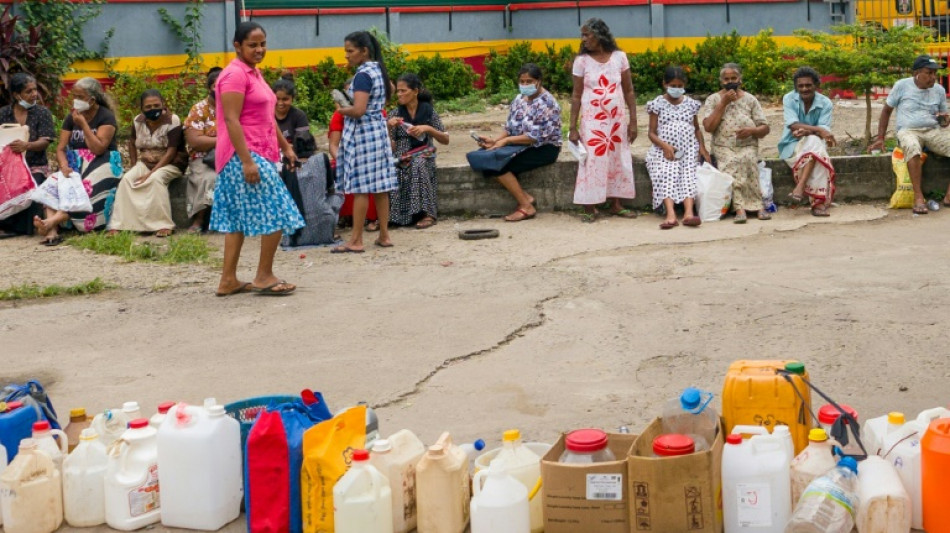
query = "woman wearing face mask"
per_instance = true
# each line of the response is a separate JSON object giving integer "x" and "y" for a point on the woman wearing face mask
{"x": 26, "y": 111}
{"x": 413, "y": 127}
{"x": 156, "y": 151}
{"x": 534, "y": 120}
{"x": 365, "y": 155}
{"x": 87, "y": 146}
{"x": 736, "y": 121}
{"x": 677, "y": 146}
{"x": 602, "y": 87}
{"x": 290, "y": 120}
{"x": 201, "y": 135}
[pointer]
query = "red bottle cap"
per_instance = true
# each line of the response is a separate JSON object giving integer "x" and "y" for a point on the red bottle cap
{"x": 828, "y": 414}
{"x": 42, "y": 425}
{"x": 673, "y": 444}
{"x": 164, "y": 407}
{"x": 735, "y": 438}
{"x": 360, "y": 455}
{"x": 138, "y": 423}
{"x": 9, "y": 406}
{"x": 586, "y": 440}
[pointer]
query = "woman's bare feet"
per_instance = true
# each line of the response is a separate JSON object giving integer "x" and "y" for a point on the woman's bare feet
{"x": 42, "y": 226}
{"x": 164, "y": 232}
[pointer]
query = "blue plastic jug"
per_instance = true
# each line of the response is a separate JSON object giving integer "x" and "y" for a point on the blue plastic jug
{"x": 16, "y": 424}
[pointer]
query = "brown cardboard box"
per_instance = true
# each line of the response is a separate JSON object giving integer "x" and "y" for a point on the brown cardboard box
{"x": 566, "y": 507}
{"x": 674, "y": 494}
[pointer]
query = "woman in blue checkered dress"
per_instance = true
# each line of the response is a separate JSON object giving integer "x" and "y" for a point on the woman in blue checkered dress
{"x": 365, "y": 157}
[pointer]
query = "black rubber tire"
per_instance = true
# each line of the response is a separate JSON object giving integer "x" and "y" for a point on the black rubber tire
{"x": 477, "y": 234}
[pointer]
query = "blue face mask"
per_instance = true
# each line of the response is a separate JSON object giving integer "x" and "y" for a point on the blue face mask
{"x": 26, "y": 105}
{"x": 528, "y": 90}
{"x": 675, "y": 92}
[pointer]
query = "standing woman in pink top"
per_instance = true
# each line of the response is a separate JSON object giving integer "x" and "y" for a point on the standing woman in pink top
{"x": 250, "y": 199}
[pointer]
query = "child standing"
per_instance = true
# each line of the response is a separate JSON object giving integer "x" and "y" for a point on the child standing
{"x": 677, "y": 147}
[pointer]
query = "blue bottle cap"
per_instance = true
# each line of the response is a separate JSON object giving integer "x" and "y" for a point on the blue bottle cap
{"x": 479, "y": 445}
{"x": 691, "y": 398}
{"x": 850, "y": 463}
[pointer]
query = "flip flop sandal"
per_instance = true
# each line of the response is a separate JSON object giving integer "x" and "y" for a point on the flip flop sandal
{"x": 669, "y": 225}
{"x": 345, "y": 250}
{"x": 820, "y": 212}
{"x": 692, "y": 221}
{"x": 624, "y": 213}
{"x": 921, "y": 209}
{"x": 425, "y": 223}
{"x": 589, "y": 218}
{"x": 478, "y": 234}
{"x": 764, "y": 215}
{"x": 372, "y": 227}
{"x": 523, "y": 212}
{"x": 269, "y": 290}
{"x": 740, "y": 219}
{"x": 247, "y": 287}
{"x": 381, "y": 245}
{"x": 55, "y": 241}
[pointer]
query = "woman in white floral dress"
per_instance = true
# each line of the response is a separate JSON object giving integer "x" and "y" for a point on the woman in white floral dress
{"x": 602, "y": 87}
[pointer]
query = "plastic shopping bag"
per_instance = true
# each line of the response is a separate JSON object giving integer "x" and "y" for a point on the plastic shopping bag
{"x": 713, "y": 192}
{"x": 328, "y": 450}
{"x": 765, "y": 184}
{"x": 16, "y": 183}
{"x": 73, "y": 196}
{"x": 903, "y": 197}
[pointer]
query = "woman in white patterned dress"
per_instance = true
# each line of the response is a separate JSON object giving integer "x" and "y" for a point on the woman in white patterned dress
{"x": 602, "y": 86}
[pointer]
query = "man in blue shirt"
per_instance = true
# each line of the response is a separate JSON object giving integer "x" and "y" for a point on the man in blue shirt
{"x": 805, "y": 141}
{"x": 922, "y": 117}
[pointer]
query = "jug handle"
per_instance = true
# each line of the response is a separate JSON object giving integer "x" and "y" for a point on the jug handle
{"x": 927, "y": 416}
{"x": 477, "y": 481}
{"x": 534, "y": 490}
{"x": 749, "y": 430}
{"x": 63, "y": 440}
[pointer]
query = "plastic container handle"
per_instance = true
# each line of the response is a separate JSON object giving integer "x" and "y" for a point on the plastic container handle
{"x": 929, "y": 415}
{"x": 534, "y": 490}
{"x": 63, "y": 440}
{"x": 750, "y": 430}
{"x": 477, "y": 482}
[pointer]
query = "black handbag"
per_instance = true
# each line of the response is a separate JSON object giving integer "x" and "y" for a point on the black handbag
{"x": 493, "y": 159}
{"x": 208, "y": 158}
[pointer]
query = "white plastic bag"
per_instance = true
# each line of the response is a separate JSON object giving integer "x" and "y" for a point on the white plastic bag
{"x": 47, "y": 193}
{"x": 713, "y": 192}
{"x": 578, "y": 151}
{"x": 765, "y": 184}
{"x": 72, "y": 194}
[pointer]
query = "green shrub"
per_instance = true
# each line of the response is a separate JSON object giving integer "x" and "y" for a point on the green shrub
{"x": 501, "y": 70}
{"x": 445, "y": 78}
{"x": 180, "y": 93}
{"x": 647, "y": 68}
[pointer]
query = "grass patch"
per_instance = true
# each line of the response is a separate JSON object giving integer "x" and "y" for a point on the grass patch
{"x": 33, "y": 291}
{"x": 471, "y": 103}
{"x": 176, "y": 249}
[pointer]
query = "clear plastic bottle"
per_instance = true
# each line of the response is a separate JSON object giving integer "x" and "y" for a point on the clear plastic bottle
{"x": 691, "y": 415}
{"x": 584, "y": 446}
{"x": 830, "y": 502}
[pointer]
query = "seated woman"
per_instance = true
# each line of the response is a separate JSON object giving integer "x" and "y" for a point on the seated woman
{"x": 27, "y": 111}
{"x": 736, "y": 121}
{"x": 412, "y": 128}
{"x": 201, "y": 134}
{"x": 157, "y": 156}
{"x": 87, "y": 146}
{"x": 534, "y": 120}
{"x": 290, "y": 120}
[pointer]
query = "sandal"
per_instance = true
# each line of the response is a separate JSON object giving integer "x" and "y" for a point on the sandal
{"x": 426, "y": 222}
{"x": 624, "y": 213}
{"x": 524, "y": 215}
{"x": 272, "y": 290}
{"x": 669, "y": 225}
{"x": 795, "y": 198}
{"x": 194, "y": 230}
{"x": 372, "y": 226}
{"x": 162, "y": 233}
{"x": 820, "y": 211}
{"x": 740, "y": 219}
{"x": 588, "y": 218}
{"x": 55, "y": 241}
{"x": 242, "y": 288}
{"x": 921, "y": 209}
{"x": 764, "y": 215}
{"x": 692, "y": 221}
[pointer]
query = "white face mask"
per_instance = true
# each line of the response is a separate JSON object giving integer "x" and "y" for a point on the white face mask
{"x": 26, "y": 105}
{"x": 675, "y": 92}
{"x": 81, "y": 105}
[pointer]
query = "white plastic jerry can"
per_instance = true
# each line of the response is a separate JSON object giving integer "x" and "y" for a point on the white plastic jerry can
{"x": 45, "y": 437}
{"x": 199, "y": 457}
{"x": 32, "y": 492}
{"x": 501, "y": 505}
{"x": 362, "y": 499}
{"x": 84, "y": 474}
{"x": 756, "y": 484}
{"x": 396, "y": 458}
{"x": 524, "y": 465}
{"x": 885, "y": 506}
{"x": 132, "y": 493}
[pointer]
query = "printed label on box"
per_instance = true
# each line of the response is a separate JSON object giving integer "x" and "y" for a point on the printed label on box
{"x": 755, "y": 504}
{"x": 607, "y": 487}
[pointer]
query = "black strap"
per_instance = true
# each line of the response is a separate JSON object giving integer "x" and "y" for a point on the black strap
{"x": 839, "y": 431}
{"x": 289, "y": 175}
{"x": 330, "y": 175}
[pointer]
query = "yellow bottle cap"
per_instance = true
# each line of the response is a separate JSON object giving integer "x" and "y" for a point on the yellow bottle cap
{"x": 77, "y": 412}
{"x": 817, "y": 435}
{"x": 511, "y": 435}
{"x": 895, "y": 417}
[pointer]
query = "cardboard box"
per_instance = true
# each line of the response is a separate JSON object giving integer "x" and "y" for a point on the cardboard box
{"x": 567, "y": 508}
{"x": 674, "y": 494}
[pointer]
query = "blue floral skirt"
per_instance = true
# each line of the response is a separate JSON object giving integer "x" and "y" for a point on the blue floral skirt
{"x": 259, "y": 209}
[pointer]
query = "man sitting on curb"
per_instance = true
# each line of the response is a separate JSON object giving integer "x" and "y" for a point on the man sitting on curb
{"x": 804, "y": 145}
{"x": 921, "y": 105}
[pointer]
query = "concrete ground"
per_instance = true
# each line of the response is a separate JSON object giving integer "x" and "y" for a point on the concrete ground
{"x": 553, "y": 326}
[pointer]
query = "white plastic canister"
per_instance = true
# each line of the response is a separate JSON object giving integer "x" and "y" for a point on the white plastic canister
{"x": 32, "y": 492}
{"x": 132, "y": 493}
{"x": 84, "y": 473}
{"x": 874, "y": 430}
{"x": 396, "y": 458}
{"x": 45, "y": 438}
{"x": 756, "y": 488}
{"x": 199, "y": 457}
{"x": 501, "y": 505}
{"x": 518, "y": 461}
{"x": 362, "y": 500}
{"x": 885, "y": 506}
{"x": 442, "y": 488}
{"x": 815, "y": 460}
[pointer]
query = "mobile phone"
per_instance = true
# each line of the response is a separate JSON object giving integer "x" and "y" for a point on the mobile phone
{"x": 341, "y": 98}
{"x": 475, "y": 136}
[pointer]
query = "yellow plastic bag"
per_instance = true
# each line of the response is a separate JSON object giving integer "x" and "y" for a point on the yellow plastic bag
{"x": 903, "y": 197}
{"x": 327, "y": 454}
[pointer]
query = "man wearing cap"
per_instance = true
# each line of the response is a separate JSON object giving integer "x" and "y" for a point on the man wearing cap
{"x": 922, "y": 119}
